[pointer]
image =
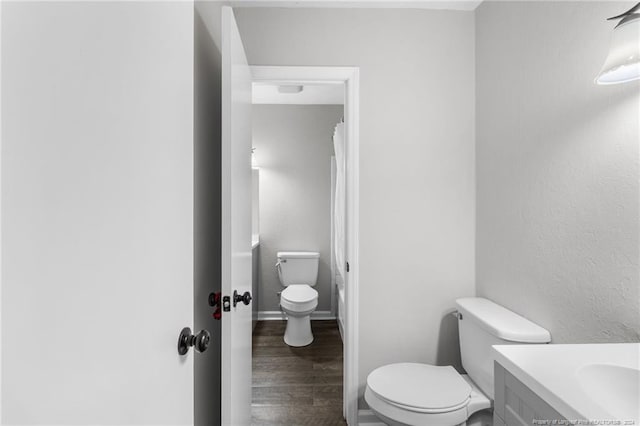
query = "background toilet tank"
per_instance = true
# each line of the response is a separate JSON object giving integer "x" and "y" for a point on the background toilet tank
{"x": 297, "y": 267}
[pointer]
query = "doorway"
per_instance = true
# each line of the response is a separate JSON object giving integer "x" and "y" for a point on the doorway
{"x": 341, "y": 302}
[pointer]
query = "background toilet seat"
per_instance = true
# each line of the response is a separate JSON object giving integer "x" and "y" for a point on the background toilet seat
{"x": 299, "y": 298}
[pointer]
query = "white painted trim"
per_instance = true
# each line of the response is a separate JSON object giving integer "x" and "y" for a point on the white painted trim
{"x": 350, "y": 76}
{"x": 304, "y": 75}
{"x": 236, "y": 221}
{"x": 0, "y": 214}
{"x": 465, "y": 5}
{"x": 352, "y": 281}
{"x": 225, "y": 217}
{"x": 281, "y": 316}
{"x": 332, "y": 191}
{"x": 367, "y": 418}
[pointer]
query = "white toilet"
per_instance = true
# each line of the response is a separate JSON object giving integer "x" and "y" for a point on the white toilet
{"x": 424, "y": 395}
{"x": 298, "y": 272}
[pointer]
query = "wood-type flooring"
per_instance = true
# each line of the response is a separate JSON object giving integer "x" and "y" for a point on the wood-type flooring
{"x": 297, "y": 386}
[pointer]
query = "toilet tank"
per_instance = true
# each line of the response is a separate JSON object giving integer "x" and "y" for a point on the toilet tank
{"x": 483, "y": 323}
{"x": 297, "y": 267}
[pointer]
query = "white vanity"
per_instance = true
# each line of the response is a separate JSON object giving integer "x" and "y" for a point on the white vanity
{"x": 574, "y": 383}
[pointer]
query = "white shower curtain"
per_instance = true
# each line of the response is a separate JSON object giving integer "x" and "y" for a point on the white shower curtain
{"x": 339, "y": 204}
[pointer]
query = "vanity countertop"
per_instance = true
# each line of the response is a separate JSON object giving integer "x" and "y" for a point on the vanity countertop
{"x": 597, "y": 382}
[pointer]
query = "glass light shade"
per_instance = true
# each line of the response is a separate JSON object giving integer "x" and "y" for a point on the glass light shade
{"x": 623, "y": 62}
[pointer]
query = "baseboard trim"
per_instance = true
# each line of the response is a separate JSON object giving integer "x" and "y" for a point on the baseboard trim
{"x": 281, "y": 316}
{"x": 367, "y": 418}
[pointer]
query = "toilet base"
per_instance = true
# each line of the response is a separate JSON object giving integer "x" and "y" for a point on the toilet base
{"x": 298, "y": 331}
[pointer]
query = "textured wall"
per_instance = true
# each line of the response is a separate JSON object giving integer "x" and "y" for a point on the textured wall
{"x": 417, "y": 190}
{"x": 294, "y": 146}
{"x": 557, "y": 171}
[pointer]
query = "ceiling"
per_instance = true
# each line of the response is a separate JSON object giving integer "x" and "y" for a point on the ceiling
{"x": 311, "y": 94}
{"x": 382, "y": 4}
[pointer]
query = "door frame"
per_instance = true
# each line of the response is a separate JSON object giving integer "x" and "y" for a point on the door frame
{"x": 350, "y": 77}
{"x": 1, "y": 283}
{"x": 236, "y": 267}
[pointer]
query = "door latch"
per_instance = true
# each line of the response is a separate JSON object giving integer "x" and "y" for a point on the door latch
{"x": 214, "y": 301}
{"x": 215, "y": 298}
{"x": 245, "y": 298}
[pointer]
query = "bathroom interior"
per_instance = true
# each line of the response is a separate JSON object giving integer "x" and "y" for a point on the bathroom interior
{"x": 498, "y": 189}
{"x": 512, "y": 139}
{"x": 298, "y": 209}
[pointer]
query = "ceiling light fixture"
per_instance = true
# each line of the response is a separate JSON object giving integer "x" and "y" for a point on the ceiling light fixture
{"x": 623, "y": 62}
{"x": 290, "y": 88}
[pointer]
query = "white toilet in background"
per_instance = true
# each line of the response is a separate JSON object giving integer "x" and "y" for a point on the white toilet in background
{"x": 424, "y": 395}
{"x": 298, "y": 272}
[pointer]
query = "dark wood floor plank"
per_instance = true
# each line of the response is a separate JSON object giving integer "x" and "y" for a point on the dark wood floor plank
{"x": 306, "y": 352}
{"x": 293, "y": 416}
{"x": 297, "y": 386}
{"x": 288, "y": 378}
{"x": 327, "y": 395}
{"x": 297, "y": 396}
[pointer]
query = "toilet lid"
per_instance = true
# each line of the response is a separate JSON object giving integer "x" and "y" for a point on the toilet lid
{"x": 420, "y": 386}
{"x": 299, "y": 293}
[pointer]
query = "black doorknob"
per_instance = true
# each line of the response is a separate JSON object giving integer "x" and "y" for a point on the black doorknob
{"x": 200, "y": 341}
{"x": 245, "y": 298}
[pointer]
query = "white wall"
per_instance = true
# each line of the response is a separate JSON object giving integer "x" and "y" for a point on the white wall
{"x": 97, "y": 198}
{"x": 294, "y": 146}
{"x": 557, "y": 171}
{"x": 417, "y": 162}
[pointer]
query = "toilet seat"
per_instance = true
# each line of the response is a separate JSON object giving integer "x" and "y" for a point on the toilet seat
{"x": 422, "y": 394}
{"x": 299, "y": 298}
{"x": 411, "y": 386}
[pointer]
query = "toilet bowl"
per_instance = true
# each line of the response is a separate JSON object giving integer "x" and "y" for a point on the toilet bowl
{"x": 298, "y": 302}
{"x": 416, "y": 394}
{"x": 298, "y": 272}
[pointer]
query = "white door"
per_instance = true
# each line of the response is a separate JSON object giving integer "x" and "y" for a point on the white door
{"x": 236, "y": 224}
{"x": 97, "y": 212}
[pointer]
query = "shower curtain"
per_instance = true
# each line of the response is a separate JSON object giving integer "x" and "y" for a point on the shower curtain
{"x": 339, "y": 205}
